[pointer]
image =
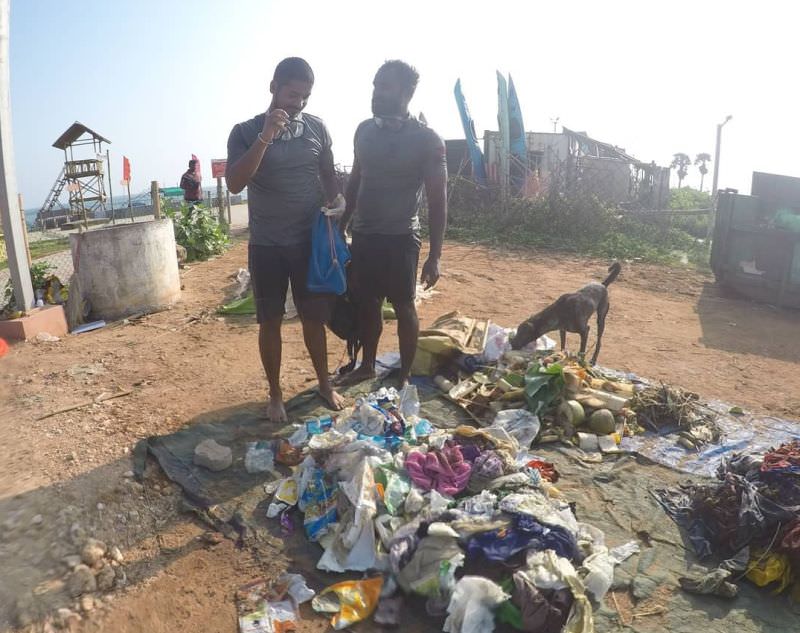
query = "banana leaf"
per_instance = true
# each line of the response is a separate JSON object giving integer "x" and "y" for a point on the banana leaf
{"x": 543, "y": 385}
{"x": 245, "y": 305}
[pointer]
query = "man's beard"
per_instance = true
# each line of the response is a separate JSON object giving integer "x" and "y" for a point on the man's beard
{"x": 385, "y": 108}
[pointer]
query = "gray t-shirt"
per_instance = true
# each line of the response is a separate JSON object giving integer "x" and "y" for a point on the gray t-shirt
{"x": 285, "y": 193}
{"x": 394, "y": 164}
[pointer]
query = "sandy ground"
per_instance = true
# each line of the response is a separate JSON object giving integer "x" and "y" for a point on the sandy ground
{"x": 63, "y": 477}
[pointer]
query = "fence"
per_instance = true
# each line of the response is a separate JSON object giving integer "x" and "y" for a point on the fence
{"x": 49, "y": 248}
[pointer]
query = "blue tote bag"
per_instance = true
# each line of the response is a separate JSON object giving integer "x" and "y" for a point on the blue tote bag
{"x": 329, "y": 256}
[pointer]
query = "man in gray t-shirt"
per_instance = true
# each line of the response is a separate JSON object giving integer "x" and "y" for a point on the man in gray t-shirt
{"x": 395, "y": 156}
{"x": 284, "y": 158}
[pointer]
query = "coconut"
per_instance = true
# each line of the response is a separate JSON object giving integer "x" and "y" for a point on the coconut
{"x": 602, "y": 422}
{"x": 571, "y": 411}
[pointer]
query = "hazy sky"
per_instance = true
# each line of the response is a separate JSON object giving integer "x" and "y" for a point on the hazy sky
{"x": 166, "y": 79}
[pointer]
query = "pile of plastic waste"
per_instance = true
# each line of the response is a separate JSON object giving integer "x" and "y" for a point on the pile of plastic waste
{"x": 749, "y": 518}
{"x": 468, "y": 518}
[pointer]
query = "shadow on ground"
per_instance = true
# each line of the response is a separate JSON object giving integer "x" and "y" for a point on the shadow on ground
{"x": 732, "y": 323}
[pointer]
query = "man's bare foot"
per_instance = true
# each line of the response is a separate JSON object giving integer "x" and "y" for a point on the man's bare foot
{"x": 356, "y": 376}
{"x": 333, "y": 399}
{"x": 276, "y": 412}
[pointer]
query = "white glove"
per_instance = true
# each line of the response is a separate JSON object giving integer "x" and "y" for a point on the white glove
{"x": 337, "y": 209}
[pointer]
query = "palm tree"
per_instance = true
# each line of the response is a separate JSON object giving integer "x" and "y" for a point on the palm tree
{"x": 701, "y": 160}
{"x": 681, "y": 162}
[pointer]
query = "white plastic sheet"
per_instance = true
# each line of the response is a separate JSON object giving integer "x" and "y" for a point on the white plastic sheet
{"x": 471, "y": 605}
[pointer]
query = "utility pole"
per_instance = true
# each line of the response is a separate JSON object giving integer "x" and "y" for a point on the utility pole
{"x": 716, "y": 156}
{"x": 713, "y": 210}
{"x": 9, "y": 203}
{"x": 555, "y": 123}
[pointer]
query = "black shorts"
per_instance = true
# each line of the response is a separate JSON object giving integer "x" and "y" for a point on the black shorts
{"x": 385, "y": 266}
{"x": 272, "y": 268}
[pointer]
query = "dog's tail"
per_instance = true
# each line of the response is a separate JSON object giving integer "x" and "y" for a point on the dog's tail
{"x": 613, "y": 271}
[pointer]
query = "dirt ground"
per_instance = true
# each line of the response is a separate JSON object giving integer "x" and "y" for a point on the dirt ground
{"x": 64, "y": 476}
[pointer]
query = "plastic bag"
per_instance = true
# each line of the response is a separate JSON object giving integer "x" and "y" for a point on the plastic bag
{"x": 354, "y": 545}
{"x": 259, "y": 457}
{"x": 479, "y": 506}
{"x": 772, "y": 568}
{"x": 496, "y": 343}
{"x": 329, "y": 256}
{"x": 414, "y": 501}
{"x": 318, "y": 499}
{"x": 600, "y": 568}
{"x": 297, "y": 588}
{"x": 299, "y": 437}
{"x": 397, "y": 488}
{"x": 275, "y": 617}
{"x": 521, "y": 424}
{"x": 351, "y": 601}
{"x": 471, "y": 605}
{"x": 409, "y": 402}
{"x": 338, "y": 208}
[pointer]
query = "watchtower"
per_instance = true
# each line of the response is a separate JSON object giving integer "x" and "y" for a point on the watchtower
{"x": 82, "y": 177}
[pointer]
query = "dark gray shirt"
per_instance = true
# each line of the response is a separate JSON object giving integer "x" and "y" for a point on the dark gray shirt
{"x": 394, "y": 164}
{"x": 285, "y": 193}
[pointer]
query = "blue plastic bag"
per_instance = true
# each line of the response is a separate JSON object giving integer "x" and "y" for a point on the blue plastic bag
{"x": 329, "y": 256}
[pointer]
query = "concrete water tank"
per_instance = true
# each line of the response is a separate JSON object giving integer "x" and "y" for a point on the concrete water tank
{"x": 127, "y": 268}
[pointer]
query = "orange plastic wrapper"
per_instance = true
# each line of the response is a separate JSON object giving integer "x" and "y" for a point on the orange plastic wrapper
{"x": 353, "y": 601}
{"x": 288, "y": 455}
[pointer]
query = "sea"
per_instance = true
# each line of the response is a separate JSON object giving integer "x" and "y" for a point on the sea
{"x": 120, "y": 202}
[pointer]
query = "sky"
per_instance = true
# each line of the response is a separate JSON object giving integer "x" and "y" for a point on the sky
{"x": 166, "y": 79}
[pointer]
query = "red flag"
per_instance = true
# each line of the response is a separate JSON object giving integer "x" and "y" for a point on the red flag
{"x": 126, "y": 169}
{"x": 197, "y": 167}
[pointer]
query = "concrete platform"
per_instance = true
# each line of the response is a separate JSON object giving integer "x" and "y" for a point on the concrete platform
{"x": 49, "y": 319}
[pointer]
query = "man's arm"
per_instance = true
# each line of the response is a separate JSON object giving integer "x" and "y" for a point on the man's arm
{"x": 436, "y": 194}
{"x": 351, "y": 195}
{"x": 241, "y": 169}
{"x": 327, "y": 175}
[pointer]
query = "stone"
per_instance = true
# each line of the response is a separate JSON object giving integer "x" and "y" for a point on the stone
{"x": 65, "y": 618}
{"x": 87, "y": 603}
{"x": 216, "y": 457}
{"x": 71, "y": 561}
{"x": 128, "y": 474}
{"x": 646, "y": 560}
{"x": 46, "y": 337}
{"x": 622, "y": 580}
{"x": 81, "y": 581}
{"x": 101, "y": 506}
{"x": 93, "y": 552}
{"x": 37, "y": 520}
{"x": 133, "y": 515}
{"x": 77, "y": 533}
{"x": 643, "y": 587}
{"x": 121, "y": 578}
{"x": 116, "y": 555}
{"x": 105, "y": 578}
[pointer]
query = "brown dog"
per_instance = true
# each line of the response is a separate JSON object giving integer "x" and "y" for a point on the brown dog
{"x": 571, "y": 313}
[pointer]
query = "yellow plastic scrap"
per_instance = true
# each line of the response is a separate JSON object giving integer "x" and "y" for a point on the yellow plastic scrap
{"x": 769, "y": 569}
{"x": 472, "y": 432}
{"x": 358, "y": 599}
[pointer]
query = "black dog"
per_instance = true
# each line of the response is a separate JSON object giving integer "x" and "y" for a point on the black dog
{"x": 571, "y": 313}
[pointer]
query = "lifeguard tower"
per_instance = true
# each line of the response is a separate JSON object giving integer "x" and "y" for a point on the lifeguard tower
{"x": 82, "y": 177}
